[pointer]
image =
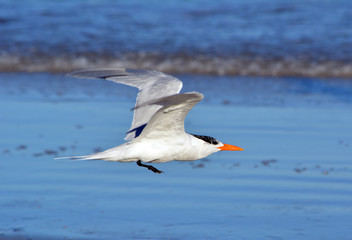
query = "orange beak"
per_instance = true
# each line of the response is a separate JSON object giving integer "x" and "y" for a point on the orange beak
{"x": 228, "y": 147}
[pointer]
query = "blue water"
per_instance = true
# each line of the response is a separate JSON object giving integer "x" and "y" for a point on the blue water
{"x": 300, "y": 38}
{"x": 293, "y": 181}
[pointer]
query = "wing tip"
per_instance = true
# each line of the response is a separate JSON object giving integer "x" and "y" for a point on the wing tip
{"x": 196, "y": 95}
{"x": 101, "y": 73}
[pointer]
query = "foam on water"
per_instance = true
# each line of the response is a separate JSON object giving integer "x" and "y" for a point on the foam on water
{"x": 180, "y": 64}
{"x": 261, "y": 38}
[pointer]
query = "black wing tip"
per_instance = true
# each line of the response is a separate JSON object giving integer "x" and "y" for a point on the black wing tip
{"x": 98, "y": 73}
{"x": 115, "y": 75}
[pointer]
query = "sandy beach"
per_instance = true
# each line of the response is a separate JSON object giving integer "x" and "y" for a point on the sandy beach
{"x": 291, "y": 182}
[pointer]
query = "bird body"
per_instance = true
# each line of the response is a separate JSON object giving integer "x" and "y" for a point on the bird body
{"x": 157, "y": 131}
{"x": 183, "y": 148}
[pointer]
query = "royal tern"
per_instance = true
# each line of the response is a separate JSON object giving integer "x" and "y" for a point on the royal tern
{"x": 157, "y": 132}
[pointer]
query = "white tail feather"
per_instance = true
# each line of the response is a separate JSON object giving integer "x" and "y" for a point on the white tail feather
{"x": 75, "y": 158}
{"x": 113, "y": 154}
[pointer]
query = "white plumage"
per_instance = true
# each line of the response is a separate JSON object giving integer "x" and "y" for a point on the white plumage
{"x": 157, "y": 132}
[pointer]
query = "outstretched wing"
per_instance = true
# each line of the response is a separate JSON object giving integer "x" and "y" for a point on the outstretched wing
{"x": 169, "y": 119}
{"x": 151, "y": 84}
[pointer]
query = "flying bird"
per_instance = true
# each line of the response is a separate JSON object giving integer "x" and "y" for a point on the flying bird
{"x": 157, "y": 133}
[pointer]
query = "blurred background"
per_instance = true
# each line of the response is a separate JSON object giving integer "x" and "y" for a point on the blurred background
{"x": 226, "y": 37}
{"x": 276, "y": 76}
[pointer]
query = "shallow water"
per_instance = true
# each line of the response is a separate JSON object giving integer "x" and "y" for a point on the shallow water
{"x": 292, "y": 181}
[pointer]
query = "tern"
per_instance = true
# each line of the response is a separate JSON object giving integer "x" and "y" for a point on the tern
{"x": 157, "y": 133}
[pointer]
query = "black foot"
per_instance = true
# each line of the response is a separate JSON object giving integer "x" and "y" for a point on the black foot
{"x": 150, "y": 167}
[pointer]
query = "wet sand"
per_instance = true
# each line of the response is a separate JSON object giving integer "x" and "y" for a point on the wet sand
{"x": 291, "y": 182}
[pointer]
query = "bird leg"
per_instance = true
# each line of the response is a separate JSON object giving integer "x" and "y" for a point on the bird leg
{"x": 150, "y": 167}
